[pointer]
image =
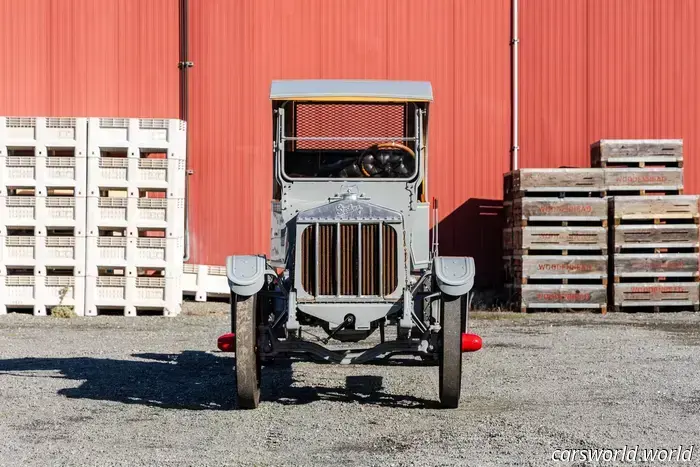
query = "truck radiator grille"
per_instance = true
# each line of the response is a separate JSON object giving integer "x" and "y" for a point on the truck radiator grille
{"x": 347, "y": 263}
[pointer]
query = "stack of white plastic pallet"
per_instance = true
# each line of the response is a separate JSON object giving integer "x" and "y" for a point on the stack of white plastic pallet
{"x": 42, "y": 213}
{"x": 92, "y": 210}
{"x": 135, "y": 220}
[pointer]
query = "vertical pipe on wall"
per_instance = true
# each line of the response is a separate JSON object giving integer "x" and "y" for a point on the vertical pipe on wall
{"x": 514, "y": 85}
{"x": 184, "y": 66}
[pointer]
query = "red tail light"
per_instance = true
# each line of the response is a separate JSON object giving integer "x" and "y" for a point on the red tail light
{"x": 471, "y": 342}
{"x": 227, "y": 342}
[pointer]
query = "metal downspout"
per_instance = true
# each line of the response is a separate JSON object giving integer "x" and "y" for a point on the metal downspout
{"x": 184, "y": 65}
{"x": 515, "y": 90}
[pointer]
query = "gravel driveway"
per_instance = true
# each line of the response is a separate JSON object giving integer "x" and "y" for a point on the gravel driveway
{"x": 153, "y": 391}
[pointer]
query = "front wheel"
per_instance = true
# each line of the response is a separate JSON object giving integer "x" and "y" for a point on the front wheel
{"x": 450, "y": 355}
{"x": 248, "y": 367}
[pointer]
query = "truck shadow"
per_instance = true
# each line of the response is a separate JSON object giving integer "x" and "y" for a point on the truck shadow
{"x": 193, "y": 380}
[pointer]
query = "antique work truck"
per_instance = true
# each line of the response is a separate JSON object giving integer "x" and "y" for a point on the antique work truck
{"x": 351, "y": 252}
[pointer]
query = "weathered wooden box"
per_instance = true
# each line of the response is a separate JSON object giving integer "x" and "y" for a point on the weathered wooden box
{"x": 657, "y": 294}
{"x": 555, "y": 238}
{"x": 656, "y": 236}
{"x": 523, "y": 210}
{"x": 654, "y": 207}
{"x": 552, "y": 181}
{"x": 561, "y": 296}
{"x": 650, "y": 179}
{"x": 620, "y": 152}
{"x": 655, "y": 264}
{"x": 560, "y": 267}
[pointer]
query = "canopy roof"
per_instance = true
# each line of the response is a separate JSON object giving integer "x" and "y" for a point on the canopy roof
{"x": 351, "y": 90}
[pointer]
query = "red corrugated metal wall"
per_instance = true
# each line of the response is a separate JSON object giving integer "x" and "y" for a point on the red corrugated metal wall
{"x": 238, "y": 47}
{"x": 89, "y": 58}
{"x": 593, "y": 69}
{"x": 590, "y": 69}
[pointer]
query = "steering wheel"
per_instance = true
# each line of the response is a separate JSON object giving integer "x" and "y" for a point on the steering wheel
{"x": 387, "y": 160}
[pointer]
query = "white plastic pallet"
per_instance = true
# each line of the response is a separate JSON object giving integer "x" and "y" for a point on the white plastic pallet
{"x": 42, "y": 210}
{"x": 136, "y": 213}
{"x": 129, "y": 292}
{"x": 134, "y": 173}
{"x": 138, "y": 133}
{"x": 43, "y": 170}
{"x": 43, "y": 250}
{"x": 205, "y": 281}
{"x": 40, "y": 292}
{"x": 131, "y": 250}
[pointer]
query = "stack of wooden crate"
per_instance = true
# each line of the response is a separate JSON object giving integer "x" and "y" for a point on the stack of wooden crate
{"x": 653, "y": 240}
{"x": 555, "y": 241}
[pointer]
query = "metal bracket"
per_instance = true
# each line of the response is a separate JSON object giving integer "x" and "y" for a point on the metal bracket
{"x": 182, "y": 65}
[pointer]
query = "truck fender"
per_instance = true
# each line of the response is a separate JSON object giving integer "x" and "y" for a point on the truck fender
{"x": 454, "y": 274}
{"x": 246, "y": 274}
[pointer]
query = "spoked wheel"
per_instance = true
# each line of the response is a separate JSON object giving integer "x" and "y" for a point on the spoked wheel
{"x": 247, "y": 356}
{"x": 450, "y": 356}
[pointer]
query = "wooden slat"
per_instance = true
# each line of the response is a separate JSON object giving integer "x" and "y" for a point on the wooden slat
{"x": 556, "y": 238}
{"x": 664, "y": 264}
{"x": 561, "y": 266}
{"x": 623, "y": 151}
{"x": 621, "y": 179}
{"x": 553, "y": 180}
{"x": 655, "y": 207}
{"x": 656, "y": 236}
{"x": 562, "y": 296}
{"x": 556, "y": 210}
{"x": 657, "y": 294}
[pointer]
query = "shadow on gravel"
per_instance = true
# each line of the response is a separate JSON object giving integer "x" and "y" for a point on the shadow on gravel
{"x": 195, "y": 380}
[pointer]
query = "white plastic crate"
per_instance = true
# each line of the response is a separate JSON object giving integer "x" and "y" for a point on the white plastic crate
{"x": 40, "y": 292}
{"x": 131, "y": 250}
{"x": 137, "y": 140}
{"x": 129, "y": 293}
{"x": 205, "y": 281}
{"x": 43, "y": 250}
{"x": 43, "y": 210}
{"x": 43, "y": 151}
{"x": 135, "y": 172}
{"x": 136, "y": 213}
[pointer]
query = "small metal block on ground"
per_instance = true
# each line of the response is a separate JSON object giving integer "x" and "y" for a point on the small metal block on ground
{"x": 633, "y": 152}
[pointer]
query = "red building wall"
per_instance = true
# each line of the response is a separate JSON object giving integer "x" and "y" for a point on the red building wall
{"x": 590, "y": 69}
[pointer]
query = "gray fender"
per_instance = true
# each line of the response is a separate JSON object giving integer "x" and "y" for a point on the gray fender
{"x": 454, "y": 274}
{"x": 246, "y": 274}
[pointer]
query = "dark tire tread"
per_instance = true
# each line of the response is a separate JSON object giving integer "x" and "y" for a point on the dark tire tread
{"x": 450, "y": 357}
{"x": 247, "y": 357}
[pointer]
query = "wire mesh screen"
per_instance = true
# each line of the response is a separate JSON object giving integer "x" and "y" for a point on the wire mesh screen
{"x": 381, "y": 121}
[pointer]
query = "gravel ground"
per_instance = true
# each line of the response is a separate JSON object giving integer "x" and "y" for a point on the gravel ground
{"x": 153, "y": 391}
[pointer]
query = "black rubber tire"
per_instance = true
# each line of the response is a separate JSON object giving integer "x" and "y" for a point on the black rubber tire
{"x": 248, "y": 367}
{"x": 450, "y": 355}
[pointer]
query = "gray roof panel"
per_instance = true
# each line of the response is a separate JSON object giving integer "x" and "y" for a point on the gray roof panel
{"x": 340, "y": 88}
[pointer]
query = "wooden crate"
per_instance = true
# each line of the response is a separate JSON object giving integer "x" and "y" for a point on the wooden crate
{"x": 657, "y": 294}
{"x": 636, "y": 208}
{"x": 555, "y": 238}
{"x": 640, "y": 180}
{"x": 560, "y": 267}
{"x": 557, "y": 296}
{"x": 658, "y": 264}
{"x": 639, "y": 153}
{"x": 524, "y": 211}
{"x": 554, "y": 181}
{"x": 656, "y": 236}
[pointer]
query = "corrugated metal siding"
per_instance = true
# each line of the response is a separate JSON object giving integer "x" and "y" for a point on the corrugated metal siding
{"x": 87, "y": 57}
{"x": 593, "y": 69}
{"x": 462, "y": 47}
